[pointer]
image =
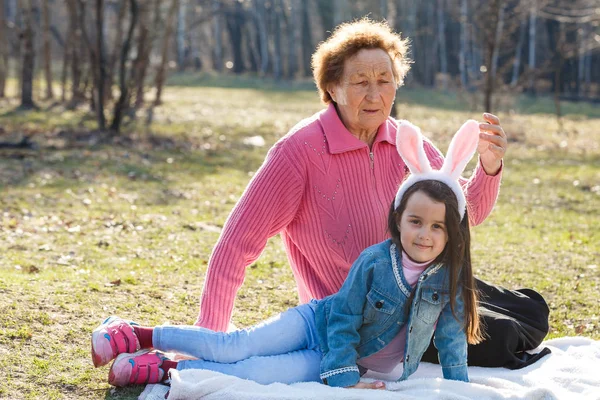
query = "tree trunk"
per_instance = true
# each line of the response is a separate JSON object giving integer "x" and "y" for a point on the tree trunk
{"x": 217, "y": 27}
{"x": 588, "y": 72}
{"x": 101, "y": 64}
{"x": 497, "y": 40}
{"x": 442, "y": 43}
{"x": 3, "y": 51}
{"x": 121, "y": 106}
{"x": 28, "y": 57}
{"x": 339, "y": 12}
{"x": 582, "y": 53}
{"x": 97, "y": 59}
{"x": 431, "y": 50}
{"x": 75, "y": 55}
{"x": 161, "y": 72}
{"x": 293, "y": 40}
{"x": 252, "y": 54}
{"x": 307, "y": 46}
{"x": 532, "y": 43}
{"x": 261, "y": 26}
{"x": 411, "y": 25}
{"x": 114, "y": 57}
{"x": 235, "y": 23}
{"x": 464, "y": 43}
{"x": 140, "y": 65}
{"x": 47, "y": 50}
{"x": 519, "y": 50}
{"x": 181, "y": 48}
{"x": 325, "y": 8}
{"x": 65, "y": 70}
{"x": 277, "y": 57}
{"x": 496, "y": 17}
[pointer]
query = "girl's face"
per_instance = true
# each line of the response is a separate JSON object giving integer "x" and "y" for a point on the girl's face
{"x": 422, "y": 228}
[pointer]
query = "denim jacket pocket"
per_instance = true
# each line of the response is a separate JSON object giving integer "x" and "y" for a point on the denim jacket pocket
{"x": 430, "y": 305}
{"x": 379, "y": 307}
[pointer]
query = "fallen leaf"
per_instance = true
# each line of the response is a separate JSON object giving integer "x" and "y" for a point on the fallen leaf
{"x": 116, "y": 282}
{"x": 32, "y": 269}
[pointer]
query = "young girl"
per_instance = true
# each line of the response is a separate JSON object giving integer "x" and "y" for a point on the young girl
{"x": 398, "y": 294}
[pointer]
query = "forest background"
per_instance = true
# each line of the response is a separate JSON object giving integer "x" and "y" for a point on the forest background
{"x": 130, "y": 128}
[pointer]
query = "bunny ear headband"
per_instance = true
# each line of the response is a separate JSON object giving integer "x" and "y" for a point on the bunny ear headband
{"x": 409, "y": 142}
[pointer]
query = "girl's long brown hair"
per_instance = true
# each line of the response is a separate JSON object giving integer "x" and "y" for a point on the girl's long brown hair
{"x": 456, "y": 255}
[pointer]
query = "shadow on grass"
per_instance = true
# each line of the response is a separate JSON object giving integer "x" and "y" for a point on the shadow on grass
{"x": 129, "y": 393}
{"x": 78, "y": 158}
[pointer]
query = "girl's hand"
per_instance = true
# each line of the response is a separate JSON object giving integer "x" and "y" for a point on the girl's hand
{"x": 372, "y": 385}
{"x": 492, "y": 144}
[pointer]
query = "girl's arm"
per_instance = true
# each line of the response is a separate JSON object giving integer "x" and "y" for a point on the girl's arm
{"x": 451, "y": 341}
{"x": 344, "y": 319}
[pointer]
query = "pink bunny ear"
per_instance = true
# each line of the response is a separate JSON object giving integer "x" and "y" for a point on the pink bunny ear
{"x": 461, "y": 150}
{"x": 409, "y": 143}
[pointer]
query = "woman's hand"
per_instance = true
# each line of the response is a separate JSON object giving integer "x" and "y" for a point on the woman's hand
{"x": 372, "y": 385}
{"x": 492, "y": 144}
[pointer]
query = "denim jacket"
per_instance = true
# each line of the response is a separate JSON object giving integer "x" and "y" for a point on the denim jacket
{"x": 370, "y": 309}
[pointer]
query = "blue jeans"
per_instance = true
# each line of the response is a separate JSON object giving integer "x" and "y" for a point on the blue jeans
{"x": 282, "y": 349}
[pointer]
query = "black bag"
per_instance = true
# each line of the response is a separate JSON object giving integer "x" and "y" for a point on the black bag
{"x": 515, "y": 321}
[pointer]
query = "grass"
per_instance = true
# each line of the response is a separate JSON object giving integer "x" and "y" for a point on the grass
{"x": 89, "y": 230}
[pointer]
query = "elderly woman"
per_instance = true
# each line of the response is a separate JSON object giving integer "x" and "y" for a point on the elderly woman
{"x": 326, "y": 187}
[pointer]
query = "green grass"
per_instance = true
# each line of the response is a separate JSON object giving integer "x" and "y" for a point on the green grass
{"x": 89, "y": 230}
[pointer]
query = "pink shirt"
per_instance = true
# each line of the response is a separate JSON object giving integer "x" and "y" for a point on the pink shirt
{"x": 328, "y": 195}
{"x": 386, "y": 359}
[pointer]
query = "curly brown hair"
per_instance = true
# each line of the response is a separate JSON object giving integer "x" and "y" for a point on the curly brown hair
{"x": 347, "y": 40}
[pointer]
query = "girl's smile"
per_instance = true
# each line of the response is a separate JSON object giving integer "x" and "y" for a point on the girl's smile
{"x": 422, "y": 228}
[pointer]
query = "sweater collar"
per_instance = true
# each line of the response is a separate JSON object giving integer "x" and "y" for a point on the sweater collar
{"x": 341, "y": 140}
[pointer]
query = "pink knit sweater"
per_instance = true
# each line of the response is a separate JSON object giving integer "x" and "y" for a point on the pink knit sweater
{"x": 329, "y": 197}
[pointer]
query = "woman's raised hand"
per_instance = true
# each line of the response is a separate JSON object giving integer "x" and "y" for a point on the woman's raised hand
{"x": 492, "y": 144}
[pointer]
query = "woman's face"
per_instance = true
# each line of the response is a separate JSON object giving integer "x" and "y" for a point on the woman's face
{"x": 366, "y": 93}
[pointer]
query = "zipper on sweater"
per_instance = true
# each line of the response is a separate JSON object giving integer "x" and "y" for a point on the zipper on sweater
{"x": 372, "y": 162}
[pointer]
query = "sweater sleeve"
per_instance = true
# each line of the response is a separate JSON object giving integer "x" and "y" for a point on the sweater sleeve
{"x": 481, "y": 189}
{"x": 266, "y": 207}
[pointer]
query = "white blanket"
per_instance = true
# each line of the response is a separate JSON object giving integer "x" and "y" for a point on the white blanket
{"x": 571, "y": 372}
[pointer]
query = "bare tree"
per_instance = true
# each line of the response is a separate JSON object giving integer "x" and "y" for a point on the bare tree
{"x": 277, "y": 31}
{"x": 180, "y": 35}
{"x": 28, "y": 57}
{"x": 293, "y": 40}
{"x": 441, "y": 30}
{"x": 161, "y": 72}
{"x": 3, "y": 50}
{"x": 75, "y": 55}
{"x": 518, "y": 52}
{"x": 261, "y": 26}
{"x": 117, "y": 46}
{"x": 235, "y": 19}
{"x": 120, "y": 105}
{"x": 325, "y": 9}
{"x": 217, "y": 29}
{"x": 307, "y": 44}
{"x": 101, "y": 68}
{"x": 464, "y": 43}
{"x": 144, "y": 47}
{"x": 532, "y": 43}
{"x": 47, "y": 49}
